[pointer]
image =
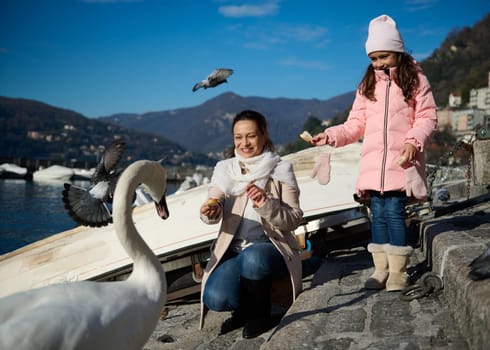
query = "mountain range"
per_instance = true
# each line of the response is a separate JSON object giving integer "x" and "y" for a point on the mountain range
{"x": 33, "y": 130}
{"x": 197, "y": 135}
{"x": 207, "y": 127}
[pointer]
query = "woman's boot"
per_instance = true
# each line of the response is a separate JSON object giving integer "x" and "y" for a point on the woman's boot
{"x": 378, "y": 279}
{"x": 256, "y": 300}
{"x": 398, "y": 258}
{"x": 236, "y": 321}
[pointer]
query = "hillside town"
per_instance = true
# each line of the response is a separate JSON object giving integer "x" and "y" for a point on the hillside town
{"x": 462, "y": 118}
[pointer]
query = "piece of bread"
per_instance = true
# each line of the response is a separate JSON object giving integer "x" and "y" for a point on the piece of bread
{"x": 401, "y": 160}
{"x": 212, "y": 202}
{"x": 305, "y": 135}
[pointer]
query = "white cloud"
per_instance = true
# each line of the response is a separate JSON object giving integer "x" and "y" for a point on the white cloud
{"x": 304, "y": 33}
{"x": 418, "y": 5}
{"x": 266, "y": 37}
{"x": 308, "y": 64}
{"x": 269, "y": 8}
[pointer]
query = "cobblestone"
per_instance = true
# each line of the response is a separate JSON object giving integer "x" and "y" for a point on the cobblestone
{"x": 335, "y": 312}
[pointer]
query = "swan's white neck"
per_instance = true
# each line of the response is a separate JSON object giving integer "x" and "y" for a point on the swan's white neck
{"x": 145, "y": 264}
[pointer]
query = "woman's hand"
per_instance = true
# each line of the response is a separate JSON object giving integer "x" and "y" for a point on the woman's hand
{"x": 319, "y": 139}
{"x": 211, "y": 208}
{"x": 256, "y": 195}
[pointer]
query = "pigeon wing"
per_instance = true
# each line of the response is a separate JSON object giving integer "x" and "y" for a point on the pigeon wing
{"x": 113, "y": 155}
{"x": 108, "y": 162}
{"x": 84, "y": 208}
{"x": 219, "y": 76}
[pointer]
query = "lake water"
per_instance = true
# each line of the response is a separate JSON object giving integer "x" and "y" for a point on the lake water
{"x": 31, "y": 210}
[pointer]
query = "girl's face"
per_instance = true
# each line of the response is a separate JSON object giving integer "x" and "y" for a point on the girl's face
{"x": 247, "y": 138}
{"x": 383, "y": 59}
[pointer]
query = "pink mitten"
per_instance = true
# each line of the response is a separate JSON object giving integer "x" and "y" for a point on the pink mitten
{"x": 415, "y": 183}
{"x": 321, "y": 170}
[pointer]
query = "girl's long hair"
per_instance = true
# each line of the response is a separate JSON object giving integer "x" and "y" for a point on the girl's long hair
{"x": 261, "y": 122}
{"x": 406, "y": 77}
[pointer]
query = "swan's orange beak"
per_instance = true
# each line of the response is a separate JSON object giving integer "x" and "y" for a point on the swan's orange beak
{"x": 162, "y": 208}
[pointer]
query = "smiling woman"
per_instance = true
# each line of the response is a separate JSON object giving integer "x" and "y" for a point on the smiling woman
{"x": 258, "y": 205}
{"x": 248, "y": 139}
{"x": 250, "y": 135}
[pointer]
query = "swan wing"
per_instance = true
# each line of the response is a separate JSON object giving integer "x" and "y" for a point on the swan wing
{"x": 88, "y": 315}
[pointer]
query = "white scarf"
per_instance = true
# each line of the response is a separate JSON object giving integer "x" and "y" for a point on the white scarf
{"x": 233, "y": 175}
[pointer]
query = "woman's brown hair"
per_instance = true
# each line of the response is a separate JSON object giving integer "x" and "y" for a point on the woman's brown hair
{"x": 406, "y": 77}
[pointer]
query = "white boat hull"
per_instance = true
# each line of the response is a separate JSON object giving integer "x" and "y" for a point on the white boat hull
{"x": 91, "y": 253}
{"x": 53, "y": 173}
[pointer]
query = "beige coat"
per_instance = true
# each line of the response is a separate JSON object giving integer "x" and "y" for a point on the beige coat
{"x": 280, "y": 215}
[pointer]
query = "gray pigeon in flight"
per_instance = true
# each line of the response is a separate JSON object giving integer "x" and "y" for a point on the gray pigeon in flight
{"x": 218, "y": 76}
{"x": 89, "y": 207}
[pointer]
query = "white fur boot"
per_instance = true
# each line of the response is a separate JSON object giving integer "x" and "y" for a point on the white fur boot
{"x": 378, "y": 279}
{"x": 398, "y": 258}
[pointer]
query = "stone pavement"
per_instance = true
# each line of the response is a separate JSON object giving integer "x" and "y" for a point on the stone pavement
{"x": 335, "y": 312}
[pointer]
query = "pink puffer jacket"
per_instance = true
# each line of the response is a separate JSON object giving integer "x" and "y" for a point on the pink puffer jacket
{"x": 386, "y": 125}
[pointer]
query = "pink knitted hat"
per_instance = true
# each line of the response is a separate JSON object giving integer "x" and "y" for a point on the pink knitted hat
{"x": 383, "y": 35}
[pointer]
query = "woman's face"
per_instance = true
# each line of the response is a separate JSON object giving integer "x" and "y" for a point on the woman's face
{"x": 383, "y": 59}
{"x": 247, "y": 138}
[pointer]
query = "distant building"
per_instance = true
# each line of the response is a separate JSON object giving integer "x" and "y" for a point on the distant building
{"x": 455, "y": 99}
{"x": 466, "y": 119}
{"x": 444, "y": 119}
{"x": 480, "y": 98}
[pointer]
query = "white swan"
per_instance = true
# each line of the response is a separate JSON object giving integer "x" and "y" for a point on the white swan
{"x": 97, "y": 315}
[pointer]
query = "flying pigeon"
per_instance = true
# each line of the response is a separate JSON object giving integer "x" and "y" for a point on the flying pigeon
{"x": 218, "y": 76}
{"x": 480, "y": 266}
{"x": 89, "y": 206}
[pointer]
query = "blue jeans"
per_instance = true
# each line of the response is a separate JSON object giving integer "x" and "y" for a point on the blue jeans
{"x": 388, "y": 218}
{"x": 259, "y": 261}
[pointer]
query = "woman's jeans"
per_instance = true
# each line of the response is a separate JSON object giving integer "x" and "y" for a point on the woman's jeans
{"x": 388, "y": 218}
{"x": 259, "y": 261}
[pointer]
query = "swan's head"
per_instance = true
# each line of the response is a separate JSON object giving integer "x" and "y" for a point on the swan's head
{"x": 156, "y": 187}
{"x": 162, "y": 208}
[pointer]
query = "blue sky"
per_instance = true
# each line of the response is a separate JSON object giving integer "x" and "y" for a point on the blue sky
{"x": 100, "y": 57}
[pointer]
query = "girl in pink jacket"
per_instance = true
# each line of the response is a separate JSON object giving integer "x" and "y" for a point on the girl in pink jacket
{"x": 395, "y": 114}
